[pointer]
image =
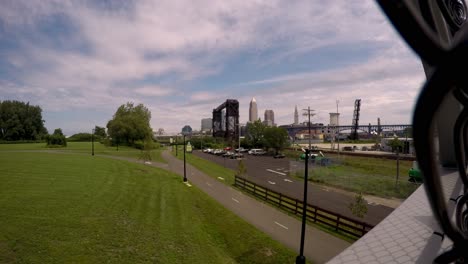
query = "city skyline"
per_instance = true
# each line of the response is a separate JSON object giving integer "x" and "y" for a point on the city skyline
{"x": 80, "y": 61}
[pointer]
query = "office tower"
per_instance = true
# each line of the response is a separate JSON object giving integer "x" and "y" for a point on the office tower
{"x": 253, "y": 112}
{"x": 269, "y": 118}
{"x": 206, "y": 124}
{"x": 296, "y": 116}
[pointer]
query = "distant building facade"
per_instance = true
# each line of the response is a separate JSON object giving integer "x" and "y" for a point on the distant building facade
{"x": 253, "y": 111}
{"x": 206, "y": 125}
{"x": 269, "y": 118}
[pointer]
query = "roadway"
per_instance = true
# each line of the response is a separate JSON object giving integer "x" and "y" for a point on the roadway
{"x": 319, "y": 247}
{"x": 273, "y": 174}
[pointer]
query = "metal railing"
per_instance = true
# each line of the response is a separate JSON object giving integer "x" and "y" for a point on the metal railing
{"x": 314, "y": 213}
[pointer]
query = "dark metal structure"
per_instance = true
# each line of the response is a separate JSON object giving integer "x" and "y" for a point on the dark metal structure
{"x": 437, "y": 31}
{"x": 231, "y": 119}
{"x": 354, "y": 129}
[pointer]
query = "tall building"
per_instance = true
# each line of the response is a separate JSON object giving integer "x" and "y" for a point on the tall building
{"x": 206, "y": 124}
{"x": 253, "y": 112}
{"x": 334, "y": 117}
{"x": 296, "y": 116}
{"x": 269, "y": 118}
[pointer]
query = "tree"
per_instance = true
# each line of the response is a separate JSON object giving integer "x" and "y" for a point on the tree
{"x": 396, "y": 144}
{"x": 255, "y": 133}
{"x": 56, "y": 139}
{"x": 241, "y": 169}
{"x": 100, "y": 131}
{"x": 21, "y": 121}
{"x": 129, "y": 124}
{"x": 359, "y": 206}
{"x": 276, "y": 138}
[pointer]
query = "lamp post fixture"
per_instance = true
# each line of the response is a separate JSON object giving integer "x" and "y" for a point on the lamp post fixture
{"x": 92, "y": 142}
{"x": 301, "y": 258}
{"x": 176, "y": 146}
{"x": 185, "y": 171}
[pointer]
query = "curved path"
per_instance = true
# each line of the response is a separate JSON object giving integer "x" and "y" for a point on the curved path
{"x": 319, "y": 246}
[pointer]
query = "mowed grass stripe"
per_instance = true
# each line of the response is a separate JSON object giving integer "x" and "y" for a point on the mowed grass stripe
{"x": 82, "y": 209}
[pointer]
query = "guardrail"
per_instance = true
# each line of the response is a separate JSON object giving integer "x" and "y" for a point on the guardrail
{"x": 314, "y": 213}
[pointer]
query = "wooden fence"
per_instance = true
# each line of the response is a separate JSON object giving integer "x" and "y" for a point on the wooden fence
{"x": 314, "y": 213}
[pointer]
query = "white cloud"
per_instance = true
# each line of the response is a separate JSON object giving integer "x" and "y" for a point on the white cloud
{"x": 147, "y": 40}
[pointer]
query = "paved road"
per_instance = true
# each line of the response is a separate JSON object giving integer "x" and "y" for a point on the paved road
{"x": 319, "y": 246}
{"x": 273, "y": 174}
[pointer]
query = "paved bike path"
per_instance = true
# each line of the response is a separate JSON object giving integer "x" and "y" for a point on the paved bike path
{"x": 319, "y": 246}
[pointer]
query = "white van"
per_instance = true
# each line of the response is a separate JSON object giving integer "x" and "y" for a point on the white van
{"x": 257, "y": 152}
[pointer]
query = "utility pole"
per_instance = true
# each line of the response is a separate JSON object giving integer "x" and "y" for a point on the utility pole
{"x": 308, "y": 112}
{"x": 338, "y": 125}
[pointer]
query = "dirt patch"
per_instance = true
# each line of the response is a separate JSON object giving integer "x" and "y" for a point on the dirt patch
{"x": 390, "y": 202}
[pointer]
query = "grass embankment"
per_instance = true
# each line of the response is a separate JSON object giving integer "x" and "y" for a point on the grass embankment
{"x": 80, "y": 209}
{"x": 210, "y": 168}
{"x": 375, "y": 176}
{"x": 85, "y": 147}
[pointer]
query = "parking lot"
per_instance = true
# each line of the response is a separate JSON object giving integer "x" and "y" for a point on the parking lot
{"x": 274, "y": 174}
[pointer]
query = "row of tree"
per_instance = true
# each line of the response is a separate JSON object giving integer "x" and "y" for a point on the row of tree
{"x": 21, "y": 121}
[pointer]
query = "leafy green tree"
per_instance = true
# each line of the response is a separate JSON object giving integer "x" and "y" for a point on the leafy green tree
{"x": 255, "y": 133}
{"x": 21, "y": 121}
{"x": 100, "y": 131}
{"x": 129, "y": 124}
{"x": 359, "y": 206}
{"x": 148, "y": 146}
{"x": 276, "y": 138}
{"x": 396, "y": 144}
{"x": 57, "y": 139}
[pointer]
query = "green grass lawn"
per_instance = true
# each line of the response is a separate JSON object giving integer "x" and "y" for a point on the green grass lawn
{"x": 210, "y": 168}
{"x": 80, "y": 209}
{"x": 85, "y": 147}
{"x": 374, "y": 176}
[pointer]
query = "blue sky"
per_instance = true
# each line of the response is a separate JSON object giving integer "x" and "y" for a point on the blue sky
{"x": 80, "y": 60}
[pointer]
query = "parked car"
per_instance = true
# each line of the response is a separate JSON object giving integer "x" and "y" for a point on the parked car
{"x": 241, "y": 150}
{"x": 279, "y": 156}
{"x": 228, "y": 154}
{"x": 257, "y": 152}
{"x": 237, "y": 155}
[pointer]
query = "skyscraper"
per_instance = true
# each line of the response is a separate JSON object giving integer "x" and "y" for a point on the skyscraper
{"x": 253, "y": 112}
{"x": 296, "y": 116}
{"x": 206, "y": 124}
{"x": 269, "y": 118}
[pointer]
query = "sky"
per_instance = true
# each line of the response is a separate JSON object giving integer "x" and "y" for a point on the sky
{"x": 81, "y": 60}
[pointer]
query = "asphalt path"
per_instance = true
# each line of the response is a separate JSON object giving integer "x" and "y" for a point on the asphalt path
{"x": 273, "y": 174}
{"x": 319, "y": 247}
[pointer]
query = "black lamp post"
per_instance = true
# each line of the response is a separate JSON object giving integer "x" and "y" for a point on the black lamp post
{"x": 176, "y": 146}
{"x": 92, "y": 142}
{"x": 301, "y": 258}
{"x": 185, "y": 171}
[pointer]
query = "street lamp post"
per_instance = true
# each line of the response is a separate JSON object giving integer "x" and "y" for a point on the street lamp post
{"x": 338, "y": 125}
{"x": 301, "y": 258}
{"x": 185, "y": 171}
{"x": 176, "y": 146}
{"x": 92, "y": 142}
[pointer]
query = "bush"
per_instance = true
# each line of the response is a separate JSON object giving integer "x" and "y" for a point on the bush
{"x": 83, "y": 137}
{"x": 56, "y": 140}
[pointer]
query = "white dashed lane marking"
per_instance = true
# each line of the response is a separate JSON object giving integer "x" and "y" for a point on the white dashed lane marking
{"x": 285, "y": 227}
{"x": 209, "y": 184}
{"x": 277, "y": 172}
{"x": 287, "y": 180}
{"x": 235, "y": 200}
{"x": 270, "y": 182}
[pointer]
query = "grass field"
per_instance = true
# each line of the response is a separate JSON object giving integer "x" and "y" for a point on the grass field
{"x": 80, "y": 209}
{"x": 374, "y": 176}
{"x": 85, "y": 147}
